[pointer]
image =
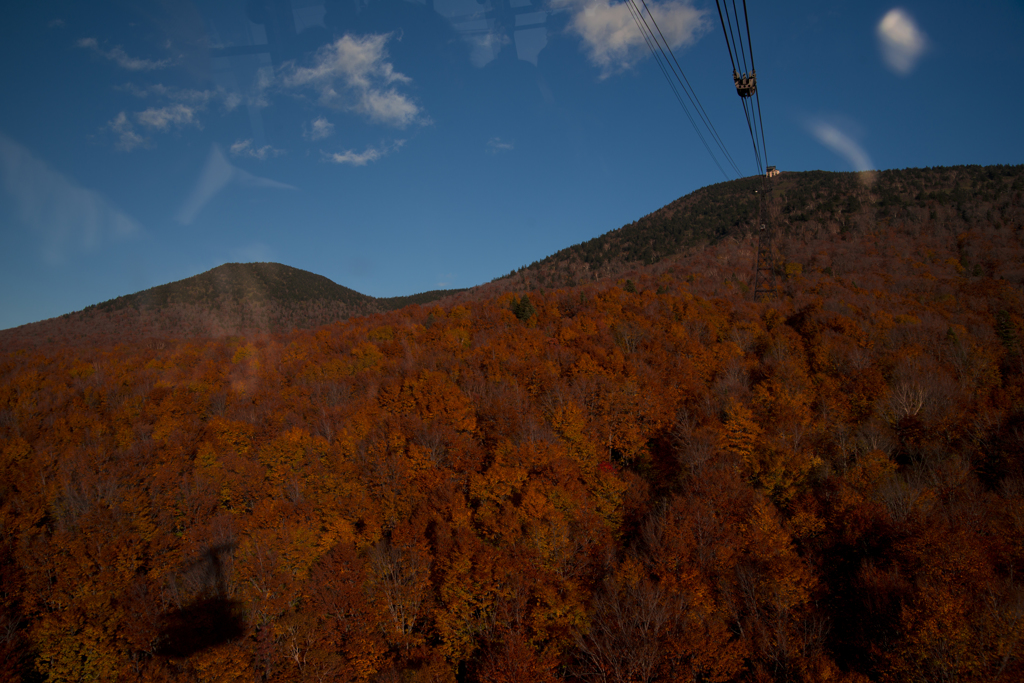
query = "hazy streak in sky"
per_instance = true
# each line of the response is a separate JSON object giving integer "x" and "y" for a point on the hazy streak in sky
{"x": 53, "y": 205}
{"x": 842, "y": 144}
{"x": 216, "y": 175}
{"x": 122, "y": 59}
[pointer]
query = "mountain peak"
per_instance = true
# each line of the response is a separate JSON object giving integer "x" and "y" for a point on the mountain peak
{"x": 234, "y": 282}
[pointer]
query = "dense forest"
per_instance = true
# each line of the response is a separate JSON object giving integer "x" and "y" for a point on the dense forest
{"x": 649, "y": 478}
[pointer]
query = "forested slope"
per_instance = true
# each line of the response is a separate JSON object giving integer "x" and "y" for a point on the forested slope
{"x": 645, "y": 480}
{"x": 232, "y": 299}
{"x": 809, "y": 204}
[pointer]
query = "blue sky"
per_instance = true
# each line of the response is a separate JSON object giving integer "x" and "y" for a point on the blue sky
{"x": 397, "y": 147}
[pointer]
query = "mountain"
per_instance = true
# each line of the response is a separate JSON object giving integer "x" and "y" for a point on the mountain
{"x": 711, "y": 232}
{"x": 648, "y": 477}
{"x": 257, "y": 283}
{"x": 809, "y": 204}
{"x": 232, "y": 299}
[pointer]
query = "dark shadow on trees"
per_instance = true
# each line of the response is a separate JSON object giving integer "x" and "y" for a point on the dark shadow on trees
{"x": 210, "y": 620}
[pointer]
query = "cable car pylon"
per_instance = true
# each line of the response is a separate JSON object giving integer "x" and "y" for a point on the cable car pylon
{"x": 746, "y": 87}
{"x": 764, "y": 265}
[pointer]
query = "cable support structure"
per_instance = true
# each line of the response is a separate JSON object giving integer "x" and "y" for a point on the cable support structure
{"x": 740, "y": 55}
{"x": 676, "y": 78}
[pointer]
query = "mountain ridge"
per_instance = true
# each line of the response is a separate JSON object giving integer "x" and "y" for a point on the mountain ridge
{"x": 804, "y": 203}
{"x": 228, "y": 300}
{"x": 242, "y": 299}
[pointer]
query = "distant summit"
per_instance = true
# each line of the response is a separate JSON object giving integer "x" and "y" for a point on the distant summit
{"x": 828, "y": 209}
{"x": 804, "y": 204}
{"x": 255, "y": 283}
{"x": 232, "y": 299}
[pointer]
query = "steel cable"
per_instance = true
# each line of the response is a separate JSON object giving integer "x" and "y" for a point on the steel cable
{"x": 638, "y": 19}
{"x": 684, "y": 82}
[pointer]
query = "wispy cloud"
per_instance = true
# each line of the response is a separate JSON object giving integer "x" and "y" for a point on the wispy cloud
{"x": 351, "y": 158}
{"x": 196, "y": 98}
{"x": 495, "y": 145}
{"x": 217, "y": 174}
{"x": 902, "y": 43}
{"x": 370, "y": 154}
{"x": 259, "y": 95}
{"x": 182, "y": 111}
{"x": 127, "y": 138}
{"x": 163, "y": 118}
{"x": 65, "y": 214}
{"x": 353, "y": 74}
{"x": 842, "y": 144}
{"x": 123, "y": 59}
{"x": 320, "y": 128}
{"x": 245, "y": 148}
{"x": 156, "y": 119}
{"x": 611, "y": 38}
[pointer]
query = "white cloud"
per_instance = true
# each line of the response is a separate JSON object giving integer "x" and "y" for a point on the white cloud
{"x": 264, "y": 82}
{"x": 122, "y": 59}
{"x": 388, "y": 106}
{"x": 353, "y": 73}
{"x": 231, "y": 100}
{"x": 842, "y": 144}
{"x": 162, "y": 118}
{"x": 127, "y": 138}
{"x": 495, "y": 145}
{"x": 320, "y": 128}
{"x": 196, "y": 98}
{"x": 245, "y": 148}
{"x": 183, "y": 110}
{"x": 611, "y": 38}
{"x": 216, "y": 175}
{"x": 354, "y": 158}
{"x": 901, "y": 41}
{"x": 61, "y": 211}
{"x": 363, "y": 158}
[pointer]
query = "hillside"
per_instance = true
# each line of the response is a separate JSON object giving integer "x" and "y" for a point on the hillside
{"x": 245, "y": 299}
{"x": 809, "y": 204}
{"x": 655, "y": 481}
{"x": 257, "y": 283}
{"x": 232, "y": 299}
{"x": 642, "y": 478}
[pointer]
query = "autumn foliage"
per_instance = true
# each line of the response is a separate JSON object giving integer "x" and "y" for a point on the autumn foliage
{"x": 657, "y": 480}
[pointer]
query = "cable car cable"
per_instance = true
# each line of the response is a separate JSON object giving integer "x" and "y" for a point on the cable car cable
{"x": 728, "y": 46}
{"x": 688, "y": 89}
{"x": 757, "y": 95}
{"x": 753, "y": 136}
{"x": 731, "y": 37}
{"x": 764, "y": 147}
{"x": 739, "y": 35}
{"x": 746, "y": 83}
{"x": 633, "y": 8}
{"x": 651, "y": 40}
